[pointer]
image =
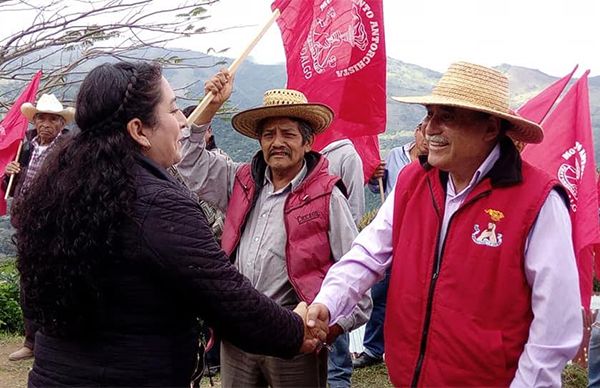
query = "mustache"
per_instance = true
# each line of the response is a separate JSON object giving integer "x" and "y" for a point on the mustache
{"x": 435, "y": 138}
{"x": 285, "y": 151}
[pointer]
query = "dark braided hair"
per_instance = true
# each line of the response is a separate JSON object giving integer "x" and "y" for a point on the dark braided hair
{"x": 69, "y": 221}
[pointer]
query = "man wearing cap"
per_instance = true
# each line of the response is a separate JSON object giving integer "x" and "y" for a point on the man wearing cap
{"x": 49, "y": 118}
{"x": 287, "y": 219}
{"x": 484, "y": 287}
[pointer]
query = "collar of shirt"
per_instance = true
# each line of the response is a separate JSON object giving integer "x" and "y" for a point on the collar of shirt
{"x": 36, "y": 144}
{"x": 483, "y": 169}
{"x": 294, "y": 183}
{"x": 406, "y": 149}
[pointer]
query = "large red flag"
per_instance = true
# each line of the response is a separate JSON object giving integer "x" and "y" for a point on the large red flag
{"x": 335, "y": 53}
{"x": 537, "y": 108}
{"x": 12, "y": 129}
{"x": 567, "y": 153}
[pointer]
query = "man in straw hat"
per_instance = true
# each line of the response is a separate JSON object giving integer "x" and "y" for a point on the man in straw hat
{"x": 287, "y": 219}
{"x": 484, "y": 286}
{"x": 49, "y": 118}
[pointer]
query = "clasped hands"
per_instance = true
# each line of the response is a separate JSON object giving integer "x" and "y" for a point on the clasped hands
{"x": 317, "y": 332}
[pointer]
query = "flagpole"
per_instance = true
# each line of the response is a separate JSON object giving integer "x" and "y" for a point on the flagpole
{"x": 381, "y": 192}
{"x": 234, "y": 66}
{"x": 12, "y": 176}
{"x": 558, "y": 95}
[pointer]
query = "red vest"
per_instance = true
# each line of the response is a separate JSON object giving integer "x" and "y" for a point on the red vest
{"x": 462, "y": 319}
{"x": 306, "y": 217}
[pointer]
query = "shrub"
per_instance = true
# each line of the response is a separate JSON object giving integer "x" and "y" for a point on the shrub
{"x": 574, "y": 376}
{"x": 11, "y": 320}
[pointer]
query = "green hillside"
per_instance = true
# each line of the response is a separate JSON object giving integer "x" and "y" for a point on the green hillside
{"x": 253, "y": 79}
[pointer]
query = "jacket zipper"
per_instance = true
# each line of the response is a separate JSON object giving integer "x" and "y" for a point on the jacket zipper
{"x": 437, "y": 264}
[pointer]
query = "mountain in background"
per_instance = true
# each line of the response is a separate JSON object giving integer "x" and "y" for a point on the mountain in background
{"x": 406, "y": 79}
{"x": 402, "y": 79}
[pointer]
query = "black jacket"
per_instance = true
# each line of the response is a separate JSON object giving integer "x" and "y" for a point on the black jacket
{"x": 171, "y": 273}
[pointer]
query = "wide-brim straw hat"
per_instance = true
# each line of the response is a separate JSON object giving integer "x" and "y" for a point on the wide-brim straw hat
{"x": 48, "y": 103}
{"x": 283, "y": 103}
{"x": 469, "y": 86}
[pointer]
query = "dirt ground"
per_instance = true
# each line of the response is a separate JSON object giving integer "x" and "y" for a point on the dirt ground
{"x": 13, "y": 374}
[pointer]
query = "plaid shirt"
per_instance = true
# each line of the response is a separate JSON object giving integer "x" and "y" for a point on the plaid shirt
{"x": 38, "y": 155}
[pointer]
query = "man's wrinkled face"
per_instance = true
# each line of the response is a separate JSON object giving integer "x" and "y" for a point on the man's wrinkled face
{"x": 282, "y": 144}
{"x": 48, "y": 126}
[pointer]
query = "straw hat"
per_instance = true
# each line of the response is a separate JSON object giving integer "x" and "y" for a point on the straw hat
{"x": 479, "y": 88}
{"x": 283, "y": 103}
{"x": 48, "y": 103}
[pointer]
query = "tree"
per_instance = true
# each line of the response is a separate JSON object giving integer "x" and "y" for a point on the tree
{"x": 66, "y": 35}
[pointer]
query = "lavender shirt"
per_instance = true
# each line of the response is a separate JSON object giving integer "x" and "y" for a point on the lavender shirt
{"x": 556, "y": 330}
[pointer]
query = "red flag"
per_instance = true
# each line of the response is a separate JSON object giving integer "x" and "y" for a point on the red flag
{"x": 368, "y": 150}
{"x": 12, "y": 129}
{"x": 567, "y": 153}
{"x": 539, "y": 106}
{"x": 335, "y": 53}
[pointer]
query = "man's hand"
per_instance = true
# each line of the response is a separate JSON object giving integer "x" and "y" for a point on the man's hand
{"x": 310, "y": 343}
{"x": 317, "y": 320}
{"x": 334, "y": 332}
{"x": 12, "y": 168}
{"x": 379, "y": 171}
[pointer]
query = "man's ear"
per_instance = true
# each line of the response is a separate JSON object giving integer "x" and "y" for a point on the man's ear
{"x": 493, "y": 127}
{"x": 136, "y": 131}
{"x": 309, "y": 143}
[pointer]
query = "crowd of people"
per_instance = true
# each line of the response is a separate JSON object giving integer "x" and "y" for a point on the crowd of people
{"x": 136, "y": 237}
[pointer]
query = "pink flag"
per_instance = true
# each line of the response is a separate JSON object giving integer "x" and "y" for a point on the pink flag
{"x": 335, "y": 53}
{"x": 539, "y": 106}
{"x": 567, "y": 153}
{"x": 12, "y": 129}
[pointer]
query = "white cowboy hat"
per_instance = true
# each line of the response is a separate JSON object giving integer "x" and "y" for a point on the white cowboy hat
{"x": 283, "y": 103}
{"x": 48, "y": 103}
{"x": 479, "y": 88}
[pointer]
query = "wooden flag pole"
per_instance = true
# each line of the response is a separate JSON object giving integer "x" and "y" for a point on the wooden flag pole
{"x": 381, "y": 192}
{"x": 12, "y": 176}
{"x": 234, "y": 66}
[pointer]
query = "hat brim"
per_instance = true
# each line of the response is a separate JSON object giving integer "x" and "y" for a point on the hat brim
{"x": 319, "y": 116}
{"x": 30, "y": 111}
{"x": 521, "y": 129}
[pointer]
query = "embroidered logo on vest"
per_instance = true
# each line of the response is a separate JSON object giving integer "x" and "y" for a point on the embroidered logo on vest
{"x": 488, "y": 236}
{"x": 307, "y": 217}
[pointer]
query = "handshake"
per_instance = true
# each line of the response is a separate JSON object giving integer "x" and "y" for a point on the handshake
{"x": 317, "y": 332}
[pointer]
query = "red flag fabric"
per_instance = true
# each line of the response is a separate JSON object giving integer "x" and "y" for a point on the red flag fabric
{"x": 567, "y": 153}
{"x": 368, "y": 150}
{"x": 539, "y": 106}
{"x": 335, "y": 53}
{"x": 12, "y": 129}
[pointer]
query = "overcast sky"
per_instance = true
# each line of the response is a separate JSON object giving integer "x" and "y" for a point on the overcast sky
{"x": 549, "y": 35}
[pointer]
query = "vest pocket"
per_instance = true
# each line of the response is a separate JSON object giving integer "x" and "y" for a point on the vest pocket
{"x": 462, "y": 350}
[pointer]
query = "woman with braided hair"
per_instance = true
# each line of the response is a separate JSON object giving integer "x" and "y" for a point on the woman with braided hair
{"x": 116, "y": 258}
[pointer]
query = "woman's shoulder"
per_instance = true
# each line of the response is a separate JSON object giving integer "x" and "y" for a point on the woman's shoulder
{"x": 157, "y": 188}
